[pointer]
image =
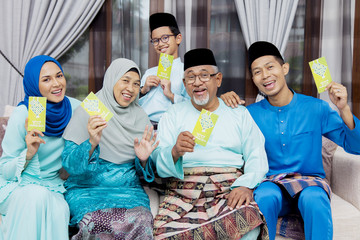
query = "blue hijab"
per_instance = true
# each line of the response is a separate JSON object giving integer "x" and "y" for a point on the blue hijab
{"x": 57, "y": 114}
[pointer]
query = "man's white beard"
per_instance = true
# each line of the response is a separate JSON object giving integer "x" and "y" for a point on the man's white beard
{"x": 203, "y": 101}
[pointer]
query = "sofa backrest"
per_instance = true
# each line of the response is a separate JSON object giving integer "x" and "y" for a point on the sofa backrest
{"x": 3, "y": 123}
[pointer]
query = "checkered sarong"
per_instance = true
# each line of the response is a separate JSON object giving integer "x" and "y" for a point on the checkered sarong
{"x": 196, "y": 208}
{"x": 295, "y": 182}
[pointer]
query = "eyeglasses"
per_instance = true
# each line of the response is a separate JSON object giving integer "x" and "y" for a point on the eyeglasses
{"x": 163, "y": 38}
{"x": 204, "y": 76}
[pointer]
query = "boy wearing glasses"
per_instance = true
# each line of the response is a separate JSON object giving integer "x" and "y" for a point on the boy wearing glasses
{"x": 209, "y": 190}
{"x": 156, "y": 94}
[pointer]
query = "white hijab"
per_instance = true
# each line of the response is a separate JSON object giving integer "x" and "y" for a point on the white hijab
{"x": 117, "y": 140}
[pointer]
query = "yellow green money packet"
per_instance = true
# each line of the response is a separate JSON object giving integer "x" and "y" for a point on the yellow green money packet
{"x": 204, "y": 126}
{"x": 321, "y": 73}
{"x": 164, "y": 67}
{"x": 37, "y": 113}
{"x": 93, "y": 106}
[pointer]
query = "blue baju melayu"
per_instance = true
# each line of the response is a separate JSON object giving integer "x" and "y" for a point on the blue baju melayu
{"x": 293, "y": 140}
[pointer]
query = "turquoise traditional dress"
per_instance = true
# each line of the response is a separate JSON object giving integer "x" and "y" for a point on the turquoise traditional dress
{"x": 104, "y": 193}
{"x": 96, "y": 184}
{"x": 32, "y": 204}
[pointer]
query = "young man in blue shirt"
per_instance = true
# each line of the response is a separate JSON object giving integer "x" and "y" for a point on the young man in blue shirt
{"x": 293, "y": 125}
{"x": 157, "y": 95}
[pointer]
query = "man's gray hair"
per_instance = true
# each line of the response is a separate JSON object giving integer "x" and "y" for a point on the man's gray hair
{"x": 216, "y": 69}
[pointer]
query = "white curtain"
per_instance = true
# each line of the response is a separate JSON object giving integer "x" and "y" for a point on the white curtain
{"x": 130, "y": 31}
{"x": 266, "y": 20}
{"x": 33, "y": 27}
{"x": 182, "y": 12}
{"x": 337, "y": 42}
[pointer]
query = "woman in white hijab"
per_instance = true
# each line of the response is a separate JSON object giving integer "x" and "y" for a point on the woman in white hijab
{"x": 105, "y": 160}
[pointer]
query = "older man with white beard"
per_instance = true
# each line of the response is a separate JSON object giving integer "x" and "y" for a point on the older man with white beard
{"x": 210, "y": 191}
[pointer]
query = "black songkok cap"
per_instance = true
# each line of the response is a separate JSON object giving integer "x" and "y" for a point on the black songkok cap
{"x": 261, "y": 48}
{"x": 162, "y": 20}
{"x": 199, "y": 56}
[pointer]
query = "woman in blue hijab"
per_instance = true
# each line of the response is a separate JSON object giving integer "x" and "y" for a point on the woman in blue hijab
{"x": 31, "y": 191}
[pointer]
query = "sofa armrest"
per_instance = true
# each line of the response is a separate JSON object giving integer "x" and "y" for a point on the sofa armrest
{"x": 345, "y": 180}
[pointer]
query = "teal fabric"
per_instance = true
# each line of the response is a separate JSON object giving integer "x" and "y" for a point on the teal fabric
{"x": 96, "y": 184}
{"x": 31, "y": 198}
{"x": 43, "y": 169}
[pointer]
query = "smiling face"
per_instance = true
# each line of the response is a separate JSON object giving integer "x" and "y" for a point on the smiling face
{"x": 52, "y": 83}
{"x": 127, "y": 88}
{"x": 172, "y": 46}
{"x": 269, "y": 75}
{"x": 203, "y": 94}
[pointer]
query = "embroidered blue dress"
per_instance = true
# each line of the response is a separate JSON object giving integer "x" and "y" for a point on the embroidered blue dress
{"x": 96, "y": 184}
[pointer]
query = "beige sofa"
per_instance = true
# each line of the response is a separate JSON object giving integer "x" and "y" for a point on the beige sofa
{"x": 344, "y": 169}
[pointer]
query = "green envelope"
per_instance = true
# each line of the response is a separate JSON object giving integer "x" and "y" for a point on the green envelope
{"x": 321, "y": 73}
{"x": 204, "y": 126}
{"x": 37, "y": 113}
{"x": 164, "y": 67}
{"x": 93, "y": 106}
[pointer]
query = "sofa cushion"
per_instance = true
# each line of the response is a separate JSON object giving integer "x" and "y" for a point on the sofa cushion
{"x": 291, "y": 226}
{"x": 328, "y": 150}
{"x": 346, "y": 219}
{"x": 345, "y": 181}
{"x": 3, "y": 124}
